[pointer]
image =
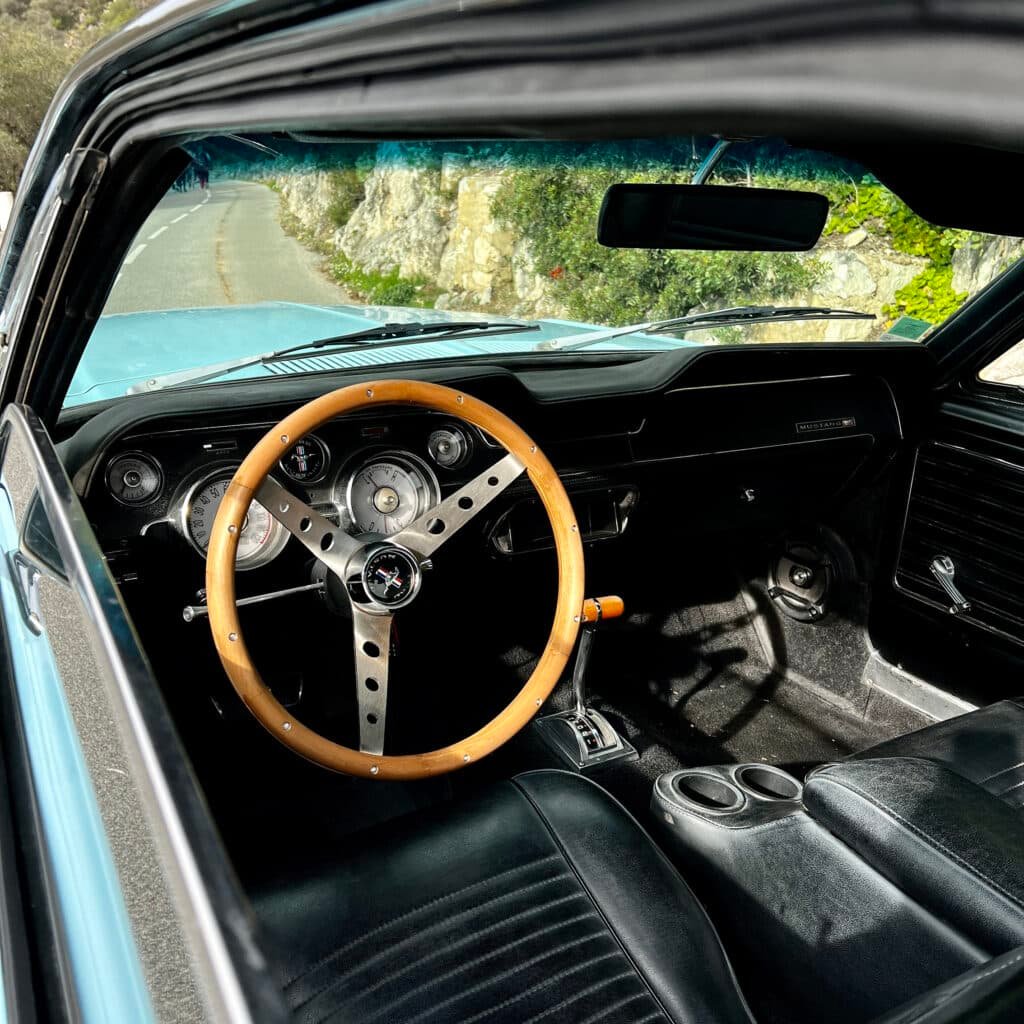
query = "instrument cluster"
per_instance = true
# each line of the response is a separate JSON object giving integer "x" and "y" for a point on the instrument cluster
{"x": 378, "y": 479}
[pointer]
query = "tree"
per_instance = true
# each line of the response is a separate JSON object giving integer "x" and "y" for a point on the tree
{"x": 32, "y": 64}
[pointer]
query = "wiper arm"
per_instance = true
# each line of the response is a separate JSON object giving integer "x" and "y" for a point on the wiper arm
{"x": 390, "y": 335}
{"x": 731, "y": 317}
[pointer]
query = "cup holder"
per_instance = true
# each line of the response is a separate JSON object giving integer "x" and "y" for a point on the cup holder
{"x": 708, "y": 791}
{"x": 768, "y": 783}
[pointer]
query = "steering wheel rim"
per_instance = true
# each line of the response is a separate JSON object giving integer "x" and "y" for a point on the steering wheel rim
{"x": 251, "y": 481}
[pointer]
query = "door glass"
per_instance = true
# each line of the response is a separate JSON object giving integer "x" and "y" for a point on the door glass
{"x": 1007, "y": 368}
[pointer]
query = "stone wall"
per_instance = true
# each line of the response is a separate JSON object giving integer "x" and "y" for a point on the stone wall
{"x": 434, "y": 222}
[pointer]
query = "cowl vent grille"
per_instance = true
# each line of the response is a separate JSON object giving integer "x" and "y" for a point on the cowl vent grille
{"x": 971, "y": 508}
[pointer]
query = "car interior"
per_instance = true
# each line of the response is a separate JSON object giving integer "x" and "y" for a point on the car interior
{"x": 791, "y": 758}
{"x": 778, "y": 771}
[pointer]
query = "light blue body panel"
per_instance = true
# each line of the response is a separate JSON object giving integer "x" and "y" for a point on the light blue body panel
{"x": 101, "y": 948}
{"x": 127, "y": 348}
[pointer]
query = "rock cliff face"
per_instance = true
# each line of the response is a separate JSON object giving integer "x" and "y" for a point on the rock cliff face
{"x": 434, "y": 220}
{"x": 974, "y": 266}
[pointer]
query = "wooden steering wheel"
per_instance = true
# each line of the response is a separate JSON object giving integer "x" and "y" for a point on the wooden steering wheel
{"x": 387, "y": 574}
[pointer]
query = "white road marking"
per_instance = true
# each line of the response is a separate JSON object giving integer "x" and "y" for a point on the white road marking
{"x": 134, "y": 255}
{"x": 181, "y": 217}
{"x": 158, "y": 233}
{"x": 194, "y": 208}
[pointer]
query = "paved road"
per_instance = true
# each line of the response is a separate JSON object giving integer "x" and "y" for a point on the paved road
{"x": 218, "y": 247}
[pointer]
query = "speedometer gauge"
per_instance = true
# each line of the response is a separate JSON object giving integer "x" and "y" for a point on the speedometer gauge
{"x": 262, "y": 536}
{"x": 385, "y": 494}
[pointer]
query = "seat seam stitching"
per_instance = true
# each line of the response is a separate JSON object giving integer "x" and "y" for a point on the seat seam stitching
{"x": 1002, "y": 771}
{"x": 479, "y": 1015}
{"x": 583, "y": 993}
{"x": 473, "y": 908}
{"x": 490, "y": 955}
{"x": 928, "y": 840}
{"x": 604, "y": 1011}
{"x": 345, "y": 947}
{"x": 394, "y": 975}
{"x": 586, "y": 889}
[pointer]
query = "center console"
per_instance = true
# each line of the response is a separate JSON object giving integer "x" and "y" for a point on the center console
{"x": 802, "y": 915}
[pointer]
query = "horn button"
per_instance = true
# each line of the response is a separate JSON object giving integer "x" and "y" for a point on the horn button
{"x": 391, "y": 576}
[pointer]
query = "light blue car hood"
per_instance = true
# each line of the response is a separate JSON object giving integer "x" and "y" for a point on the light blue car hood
{"x": 127, "y": 348}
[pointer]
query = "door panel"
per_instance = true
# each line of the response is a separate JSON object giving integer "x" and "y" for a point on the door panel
{"x": 141, "y": 935}
{"x": 964, "y": 498}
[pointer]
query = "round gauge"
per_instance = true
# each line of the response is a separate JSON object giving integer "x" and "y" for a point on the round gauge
{"x": 262, "y": 536}
{"x": 306, "y": 460}
{"x": 386, "y": 494}
{"x": 134, "y": 479}
{"x": 448, "y": 447}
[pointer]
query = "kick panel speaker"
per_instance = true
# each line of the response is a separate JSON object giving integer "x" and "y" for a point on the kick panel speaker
{"x": 808, "y": 572}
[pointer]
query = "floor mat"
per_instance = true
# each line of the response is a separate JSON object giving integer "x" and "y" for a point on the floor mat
{"x": 692, "y": 686}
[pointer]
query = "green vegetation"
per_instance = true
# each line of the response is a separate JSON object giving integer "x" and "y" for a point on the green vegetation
{"x": 380, "y": 289}
{"x": 556, "y": 206}
{"x": 39, "y": 41}
{"x": 930, "y": 294}
{"x": 347, "y": 193}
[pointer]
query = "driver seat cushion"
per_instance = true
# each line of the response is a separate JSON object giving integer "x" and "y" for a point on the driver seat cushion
{"x": 540, "y": 900}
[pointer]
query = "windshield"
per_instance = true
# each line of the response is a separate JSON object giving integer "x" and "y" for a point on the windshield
{"x": 271, "y": 243}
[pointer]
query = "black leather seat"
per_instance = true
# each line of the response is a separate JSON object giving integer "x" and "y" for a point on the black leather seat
{"x": 542, "y": 900}
{"x": 984, "y": 746}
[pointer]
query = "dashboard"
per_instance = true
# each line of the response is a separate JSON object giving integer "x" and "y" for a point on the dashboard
{"x": 719, "y": 443}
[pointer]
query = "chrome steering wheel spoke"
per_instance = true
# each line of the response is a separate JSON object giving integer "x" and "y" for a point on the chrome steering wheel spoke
{"x": 372, "y": 634}
{"x": 325, "y": 541}
{"x": 427, "y": 533}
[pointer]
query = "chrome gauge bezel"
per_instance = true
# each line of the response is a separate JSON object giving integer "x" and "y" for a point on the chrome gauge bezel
{"x": 428, "y": 488}
{"x": 264, "y": 555}
{"x": 465, "y": 439}
{"x": 327, "y": 461}
{"x": 144, "y": 457}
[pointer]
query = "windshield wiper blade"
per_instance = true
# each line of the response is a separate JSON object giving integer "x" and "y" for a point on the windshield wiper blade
{"x": 388, "y": 335}
{"x": 730, "y": 317}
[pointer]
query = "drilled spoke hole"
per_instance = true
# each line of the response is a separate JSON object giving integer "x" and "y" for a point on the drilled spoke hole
{"x": 371, "y": 649}
{"x": 372, "y": 719}
{"x": 372, "y": 685}
{"x": 304, "y": 524}
{"x": 493, "y": 481}
{"x": 466, "y": 502}
{"x": 436, "y": 526}
{"x": 327, "y": 542}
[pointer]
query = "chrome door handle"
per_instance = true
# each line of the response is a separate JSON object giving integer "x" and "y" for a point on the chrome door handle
{"x": 26, "y": 583}
{"x": 944, "y": 570}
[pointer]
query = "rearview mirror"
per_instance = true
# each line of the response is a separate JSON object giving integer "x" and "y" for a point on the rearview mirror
{"x": 723, "y": 217}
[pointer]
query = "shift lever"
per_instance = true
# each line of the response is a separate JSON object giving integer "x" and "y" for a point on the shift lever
{"x": 583, "y": 736}
{"x": 595, "y": 611}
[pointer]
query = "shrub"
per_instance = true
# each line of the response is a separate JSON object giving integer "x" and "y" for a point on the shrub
{"x": 380, "y": 289}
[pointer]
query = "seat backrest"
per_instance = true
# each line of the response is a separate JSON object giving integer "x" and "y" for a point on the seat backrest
{"x": 993, "y": 993}
{"x": 945, "y": 841}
